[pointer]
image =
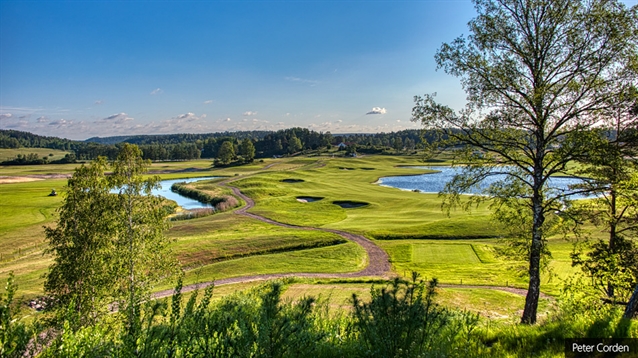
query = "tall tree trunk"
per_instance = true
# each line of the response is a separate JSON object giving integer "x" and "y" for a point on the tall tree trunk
{"x": 536, "y": 249}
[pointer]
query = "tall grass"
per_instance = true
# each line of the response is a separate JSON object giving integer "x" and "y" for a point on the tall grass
{"x": 400, "y": 319}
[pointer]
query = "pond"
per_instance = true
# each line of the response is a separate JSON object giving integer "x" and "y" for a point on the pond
{"x": 184, "y": 202}
{"x": 435, "y": 182}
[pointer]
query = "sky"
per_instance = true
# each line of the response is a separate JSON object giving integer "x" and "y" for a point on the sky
{"x": 78, "y": 69}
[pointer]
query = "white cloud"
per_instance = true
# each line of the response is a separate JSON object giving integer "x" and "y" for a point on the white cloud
{"x": 59, "y": 122}
{"x": 189, "y": 117}
{"x": 156, "y": 91}
{"x": 117, "y": 117}
{"x": 227, "y": 120}
{"x": 5, "y": 115}
{"x": 98, "y": 102}
{"x": 377, "y": 110}
{"x": 42, "y": 119}
{"x": 208, "y": 101}
{"x": 250, "y": 113}
{"x": 398, "y": 121}
{"x": 339, "y": 121}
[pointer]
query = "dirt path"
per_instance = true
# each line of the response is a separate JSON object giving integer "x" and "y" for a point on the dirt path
{"x": 378, "y": 262}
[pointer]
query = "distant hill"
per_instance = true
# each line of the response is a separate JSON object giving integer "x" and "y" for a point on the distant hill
{"x": 16, "y": 139}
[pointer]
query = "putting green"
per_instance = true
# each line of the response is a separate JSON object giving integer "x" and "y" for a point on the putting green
{"x": 444, "y": 254}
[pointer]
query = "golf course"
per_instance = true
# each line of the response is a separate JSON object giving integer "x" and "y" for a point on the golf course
{"x": 321, "y": 221}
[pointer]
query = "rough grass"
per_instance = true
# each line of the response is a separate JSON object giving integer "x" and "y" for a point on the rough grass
{"x": 488, "y": 303}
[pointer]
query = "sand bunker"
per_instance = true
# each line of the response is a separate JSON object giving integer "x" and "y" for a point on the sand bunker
{"x": 308, "y": 199}
{"x": 293, "y": 180}
{"x": 350, "y": 204}
{"x": 10, "y": 180}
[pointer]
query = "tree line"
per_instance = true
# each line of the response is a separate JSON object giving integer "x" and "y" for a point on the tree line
{"x": 209, "y": 146}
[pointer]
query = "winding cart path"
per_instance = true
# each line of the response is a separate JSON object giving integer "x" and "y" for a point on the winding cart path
{"x": 378, "y": 262}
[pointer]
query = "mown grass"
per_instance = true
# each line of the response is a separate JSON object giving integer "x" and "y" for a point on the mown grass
{"x": 11, "y": 153}
{"x": 391, "y": 213}
{"x": 226, "y": 236}
{"x": 346, "y": 257}
{"x": 476, "y": 262}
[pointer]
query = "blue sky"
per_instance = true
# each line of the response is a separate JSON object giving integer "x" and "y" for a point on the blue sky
{"x": 79, "y": 69}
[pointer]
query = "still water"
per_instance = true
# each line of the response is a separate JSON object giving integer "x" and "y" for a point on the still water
{"x": 435, "y": 182}
{"x": 184, "y": 202}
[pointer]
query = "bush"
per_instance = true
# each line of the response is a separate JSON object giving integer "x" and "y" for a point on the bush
{"x": 402, "y": 320}
{"x": 14, "y": 334}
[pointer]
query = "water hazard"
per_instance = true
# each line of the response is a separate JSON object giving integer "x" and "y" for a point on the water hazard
{"x": 184, "y": 202}
{"x": 435, "y": 182}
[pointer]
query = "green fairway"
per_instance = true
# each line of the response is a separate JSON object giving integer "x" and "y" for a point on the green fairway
{"x": 444, "y": 254}
{"x": 227, "y": 236}
{"x": 390, "y": 213}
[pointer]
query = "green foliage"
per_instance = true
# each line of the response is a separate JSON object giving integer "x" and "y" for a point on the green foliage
{"x": 519, "y": 110}
{"x": 108, "y": 246}
{"x": 613, "y": 178}
{"x": 14, "y": 334}
{"x": 190, "y": 192}
{"x": 612, "y": 270}
{"x": 82, "y": 243}
{"x": 141, "y": 252}
{"x": 247, "y": 150}
{"x": 402, "y": 320}
{"x": 26, "y": 159}
{"x": 294, "y": 145}
{"x": 226, "y": 153}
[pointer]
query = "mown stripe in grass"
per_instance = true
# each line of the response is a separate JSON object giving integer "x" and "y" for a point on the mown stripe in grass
{"x": 476, "y": 253}
{"x": 443, "y": 254}
{"x": 274, "y": 250}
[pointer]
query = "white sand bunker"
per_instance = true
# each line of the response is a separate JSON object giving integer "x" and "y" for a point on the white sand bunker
{"x": 308, "y": 199}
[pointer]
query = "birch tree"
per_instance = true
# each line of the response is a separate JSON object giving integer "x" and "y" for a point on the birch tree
{"x": 535, "y": 73}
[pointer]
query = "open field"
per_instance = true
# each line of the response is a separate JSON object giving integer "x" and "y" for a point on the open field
{"x": 7, "y": 154}
{"x": 409, "y": 226}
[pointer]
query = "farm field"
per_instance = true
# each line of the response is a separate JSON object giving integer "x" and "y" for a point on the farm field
{"x": 461, "y": 248}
